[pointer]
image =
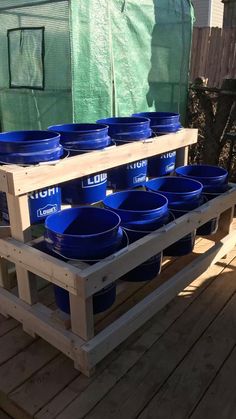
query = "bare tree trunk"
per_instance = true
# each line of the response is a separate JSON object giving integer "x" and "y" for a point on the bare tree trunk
{"x": 216, "y": 124}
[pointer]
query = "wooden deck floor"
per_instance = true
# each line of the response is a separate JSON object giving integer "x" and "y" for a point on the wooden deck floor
{"x": 181, "y": 364}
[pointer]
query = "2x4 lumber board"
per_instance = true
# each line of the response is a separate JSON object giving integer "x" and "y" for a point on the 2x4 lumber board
{"x": 23, "y": 180}
{"x": 5, "y": 280}
{"x": 43, "y": 265}
{"x": 39, "y": 318}
{"x": 181, "y": 157}
{"x": 19, "y": 216}
{"x": 110, "y": 269}
{"x": 92, "y": 279}
{"x": 98, "y": 347}
{"x": 82, "y": 319}
{"x": 119, "y": 308}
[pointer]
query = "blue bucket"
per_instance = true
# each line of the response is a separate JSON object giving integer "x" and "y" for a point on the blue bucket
{"x": 83, "y": 233}
{"x": 102, "y": 300}
{"x": 211, "y": 177}
{"x": 88, "y": 234}
{"x": 176, "y": 189}
{"x": 125, "y": 130}
{"x": 29, "y": 147}
{"x": 86, "y": 190}
{"x": 135, "y": 205}
{"x": 160, "y": 118}
{"x": 165, "y": 129}
{"x": 162, "y": 123}
{"x": 82, "y": 136}
{"x": 206, "y": 174}
{"x": 129, "y": 176}
{"x": 162, "y": 165}
{"x": 78, "y": 139}
{"x": 185, "y": 245}
{"x": 182, "y": 247}
{"x": 141, "y": 212}
{"x": 150, "y": 268}
{"x": 211, "y": 192}
{"x": 42, "y": 203}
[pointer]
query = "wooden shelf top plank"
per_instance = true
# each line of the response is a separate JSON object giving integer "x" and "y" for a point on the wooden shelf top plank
{"x": 18, "y": 180}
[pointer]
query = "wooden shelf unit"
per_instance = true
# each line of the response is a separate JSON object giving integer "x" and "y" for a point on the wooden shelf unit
{"x": 75, "y": 336}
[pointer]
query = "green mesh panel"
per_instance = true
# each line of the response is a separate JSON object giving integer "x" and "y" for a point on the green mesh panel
{"x": 29, "y": 108}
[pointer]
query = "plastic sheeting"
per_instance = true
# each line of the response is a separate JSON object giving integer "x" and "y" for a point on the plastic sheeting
{"x": 130, "y": 56}
{"x": 95, "y": 59}
{"x": 27, "y": 61}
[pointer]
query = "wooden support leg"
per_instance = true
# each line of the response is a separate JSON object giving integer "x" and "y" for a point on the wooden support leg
{"x": 20, "y": 229}
{"x": 82, "y": 321}
{"x": 181, "y": 156}
{"x": 226, "y": 222}
{"x": 5, "y": 281}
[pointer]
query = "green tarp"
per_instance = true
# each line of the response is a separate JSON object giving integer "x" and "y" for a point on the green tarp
{"x": 99, "y": 58}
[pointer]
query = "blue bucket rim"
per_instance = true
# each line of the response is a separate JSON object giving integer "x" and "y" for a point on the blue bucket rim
{"x": 51, "y": 133}
{"x": 95, "y": 126}
{"x": 175, "y": 177}
{"x": 137, "y": 191}
{"x": 83, "y": 235}
{"x": 156, "y": 114}
{"x": 123, "y": 120}
{"x": 203, "y": 165}
{"x": 41, "y": 163}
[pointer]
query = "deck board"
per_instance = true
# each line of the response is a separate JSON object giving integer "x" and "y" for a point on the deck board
{"x": 142, "y": 381}
{"x": 147, "y": 375}
{"x": 191, "y": 379}
{"x": 220, "y": 396}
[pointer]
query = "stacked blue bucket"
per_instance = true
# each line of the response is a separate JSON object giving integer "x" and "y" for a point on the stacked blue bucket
{"x": 215, "y": 182}
{"x": 162, "y": 123}
{"x": 79, "y": 139}
{"x": 27, "y": 148}
{"x": 125, "y": 130}
{"x": 183, "y": 196}
{"x": 141, "y": 212}
{"x": 88, "y": 234}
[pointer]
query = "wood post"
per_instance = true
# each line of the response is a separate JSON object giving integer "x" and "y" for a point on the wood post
{"x": 19, "y": 216}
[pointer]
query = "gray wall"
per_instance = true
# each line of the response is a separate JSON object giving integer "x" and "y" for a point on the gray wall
{"x": 201, "y": 9}
{"x": 208, "y": 13}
